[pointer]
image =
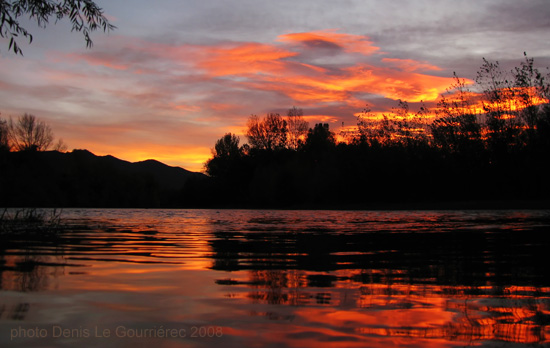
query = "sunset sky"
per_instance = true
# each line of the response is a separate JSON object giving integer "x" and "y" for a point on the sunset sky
{"x": 176, "y": 75}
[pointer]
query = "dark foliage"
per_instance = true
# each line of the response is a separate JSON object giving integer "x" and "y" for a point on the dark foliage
{"x": 463, "y": 155}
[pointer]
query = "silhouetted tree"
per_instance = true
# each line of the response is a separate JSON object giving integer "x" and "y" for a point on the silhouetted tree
{"x": 30, "y": 134}
{"x": 225, "y": 153}
{"x": 459, "y": 100}
{"x": 410, "y": 128}
{"x": 84, "y": 15}
{"x": 4, "y": 140}
{"x": 401, "y": 127}
{"x": 516, "y": 108}
{"x": 457, "y": 134}
{"x": 320, "y": 138}
{"x": 531, "y": 90}
{"x": 456, "y": 127}
{"x": 267, "y": 134}
{"x": 297, "y": 128}
{"x": 503, "y": 127}
{"x": 60, "y": 145}
{"x": 372, "y": 130}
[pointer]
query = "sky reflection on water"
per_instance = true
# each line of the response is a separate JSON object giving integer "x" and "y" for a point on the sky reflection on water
{"x": 280, "y": 278}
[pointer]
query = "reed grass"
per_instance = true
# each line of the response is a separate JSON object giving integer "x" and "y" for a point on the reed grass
{"x": 29, "y": 221}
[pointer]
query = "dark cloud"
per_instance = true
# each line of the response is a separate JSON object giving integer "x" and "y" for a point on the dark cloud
{"x": 520, "y": 16}
{"x": 323, "y": 45}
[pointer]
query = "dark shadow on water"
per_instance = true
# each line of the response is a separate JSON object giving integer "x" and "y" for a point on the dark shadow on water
{"x": 463, "y": 257}
{"x": 492, "y": 274}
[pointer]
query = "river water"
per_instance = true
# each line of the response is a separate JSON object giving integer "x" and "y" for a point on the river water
{"x": 259, "y": 278}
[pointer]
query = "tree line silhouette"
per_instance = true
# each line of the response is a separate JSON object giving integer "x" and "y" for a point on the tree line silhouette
{"x": 484, "y": 142}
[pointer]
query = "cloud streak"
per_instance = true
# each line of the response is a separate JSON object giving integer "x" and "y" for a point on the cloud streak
{"x": 288, "y": 69}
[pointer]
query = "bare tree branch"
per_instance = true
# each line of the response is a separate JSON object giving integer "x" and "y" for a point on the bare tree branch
{"x": 85, "y": 16}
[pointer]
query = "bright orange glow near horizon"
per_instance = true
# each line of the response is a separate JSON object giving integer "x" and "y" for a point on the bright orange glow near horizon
{"x": 188, "y": 157}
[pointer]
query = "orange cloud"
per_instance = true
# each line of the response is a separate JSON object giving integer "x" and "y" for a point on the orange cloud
{"x": 362, "y": 79}
{"x": 244, "y": 59}
{"x": 320, "y": 118}
{"x": 409, "y": 64}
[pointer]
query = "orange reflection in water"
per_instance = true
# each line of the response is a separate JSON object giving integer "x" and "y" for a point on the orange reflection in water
{"x": 348, "y": 313}
{"x": 264, "y": 284}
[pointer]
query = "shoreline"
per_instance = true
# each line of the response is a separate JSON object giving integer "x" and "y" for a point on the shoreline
{"x": 374, "y": 206}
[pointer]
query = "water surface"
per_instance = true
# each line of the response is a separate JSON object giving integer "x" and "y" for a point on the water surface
{"x": 248, "y": 278}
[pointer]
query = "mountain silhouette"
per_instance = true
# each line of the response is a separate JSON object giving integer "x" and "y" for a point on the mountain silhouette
{"x": 82, "y": 179}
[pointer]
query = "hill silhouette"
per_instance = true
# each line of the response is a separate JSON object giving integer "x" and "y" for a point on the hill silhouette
{"x": 82, "y": 179}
